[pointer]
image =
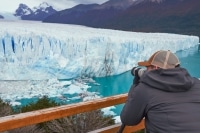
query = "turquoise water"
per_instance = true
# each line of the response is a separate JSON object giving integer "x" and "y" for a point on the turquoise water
{"x": 190, "y": 59}
{"x": 119, "y": 84}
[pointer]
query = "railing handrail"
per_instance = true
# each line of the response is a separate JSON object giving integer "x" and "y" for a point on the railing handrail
{"x": 43, "y": 115}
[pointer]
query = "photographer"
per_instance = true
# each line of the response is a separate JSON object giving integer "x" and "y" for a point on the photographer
{"x": 165, "y": 95}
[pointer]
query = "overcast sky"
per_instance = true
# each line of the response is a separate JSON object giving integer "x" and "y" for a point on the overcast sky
{"x": 12, "y": 5}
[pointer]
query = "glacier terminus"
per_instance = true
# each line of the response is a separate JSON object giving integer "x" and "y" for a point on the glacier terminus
{"x": 34, "y": 50}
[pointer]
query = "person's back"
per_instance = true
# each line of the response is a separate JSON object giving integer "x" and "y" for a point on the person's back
{"x": 169, "y": 99}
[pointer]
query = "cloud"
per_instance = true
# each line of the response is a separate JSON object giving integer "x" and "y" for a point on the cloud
{"x": 12, "y": 5}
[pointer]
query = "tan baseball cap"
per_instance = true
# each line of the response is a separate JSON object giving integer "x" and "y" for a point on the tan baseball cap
{"x": 162, "y": 59}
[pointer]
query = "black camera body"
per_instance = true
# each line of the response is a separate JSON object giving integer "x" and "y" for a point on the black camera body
{"x": 137, "y": 72}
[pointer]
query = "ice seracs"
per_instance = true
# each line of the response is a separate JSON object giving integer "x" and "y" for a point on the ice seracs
{"x": 34, "y": 50}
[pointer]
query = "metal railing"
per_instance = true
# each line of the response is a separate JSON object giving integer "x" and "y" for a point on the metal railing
{"x": 43, "y": 115}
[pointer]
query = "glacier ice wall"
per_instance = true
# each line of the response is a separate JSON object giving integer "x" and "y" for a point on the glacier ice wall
{"x": 34, "y": 50}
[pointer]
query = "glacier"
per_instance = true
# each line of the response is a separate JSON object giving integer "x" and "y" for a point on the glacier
{"x": 36, "y": 56}
{"x": 39, "y": 51}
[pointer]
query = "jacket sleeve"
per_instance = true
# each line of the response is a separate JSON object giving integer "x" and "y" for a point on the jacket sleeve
{"x": 134, "y": 109}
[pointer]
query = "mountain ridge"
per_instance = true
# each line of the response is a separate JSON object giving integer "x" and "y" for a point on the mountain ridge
{"x": 24, "y": 12}
{"x": 173, "y": 16}
{"x": 90, "y": 13}
{"x": 37, "y": 13}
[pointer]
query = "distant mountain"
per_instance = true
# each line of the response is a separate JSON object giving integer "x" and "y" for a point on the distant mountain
{"x": 90, "y": 15}
{"x": 171, "y": 16}
{"x": 37, "y": 13}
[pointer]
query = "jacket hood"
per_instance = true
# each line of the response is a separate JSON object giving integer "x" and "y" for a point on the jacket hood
{"x": 171, "y": 80}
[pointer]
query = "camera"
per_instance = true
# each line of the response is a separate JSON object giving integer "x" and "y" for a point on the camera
{"x": 136, "y": 71}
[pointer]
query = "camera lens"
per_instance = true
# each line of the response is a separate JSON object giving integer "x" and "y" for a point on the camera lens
{"x": 136, "y": 71}
{"x": 133, "y": 71}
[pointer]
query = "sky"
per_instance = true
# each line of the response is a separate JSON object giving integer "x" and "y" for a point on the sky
{"x": 12, "y": 5}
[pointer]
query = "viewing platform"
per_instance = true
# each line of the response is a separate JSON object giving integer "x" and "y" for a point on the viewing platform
{"x": 34, "y": 117}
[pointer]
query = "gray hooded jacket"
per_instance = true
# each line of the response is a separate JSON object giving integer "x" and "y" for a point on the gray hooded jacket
{"x": 168, "y": 99}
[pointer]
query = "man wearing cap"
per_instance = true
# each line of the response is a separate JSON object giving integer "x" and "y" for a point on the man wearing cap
{"x": 166, "y": 96}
